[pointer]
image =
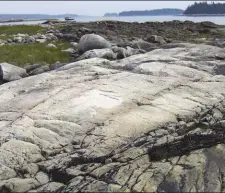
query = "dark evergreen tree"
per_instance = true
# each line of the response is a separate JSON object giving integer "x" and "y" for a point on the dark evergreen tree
{"x": 205, "y": 8}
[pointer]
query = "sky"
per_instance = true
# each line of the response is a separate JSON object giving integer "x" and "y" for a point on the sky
{"x": 91, "y": 8}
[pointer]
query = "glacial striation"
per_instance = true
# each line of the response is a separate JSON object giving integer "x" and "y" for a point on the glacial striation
{"x": 152, "y": 122}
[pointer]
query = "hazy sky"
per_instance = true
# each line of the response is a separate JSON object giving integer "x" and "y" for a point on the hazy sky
{"x": 94, "y": 8}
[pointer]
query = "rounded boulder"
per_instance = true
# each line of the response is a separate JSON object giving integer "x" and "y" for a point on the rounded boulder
{"x": 92, "y": 41}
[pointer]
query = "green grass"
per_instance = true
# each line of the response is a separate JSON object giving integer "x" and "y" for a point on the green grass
{"x": 202, "y": 35}
{"x": 5, "y": 37}
{"x": 25, "y": 29}
{"x": 202, "y": 126}
{"x": 34, "y": 53}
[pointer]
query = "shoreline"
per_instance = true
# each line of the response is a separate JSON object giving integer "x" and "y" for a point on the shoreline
{"x": 25, "y": 20}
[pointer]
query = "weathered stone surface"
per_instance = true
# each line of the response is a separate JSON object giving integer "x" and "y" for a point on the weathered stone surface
{"x": 92, "y": 41}
{"x": 151, "y": 122}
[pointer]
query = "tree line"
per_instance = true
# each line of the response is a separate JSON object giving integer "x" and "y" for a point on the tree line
{"x": 152, "y": 12}
{"x": 205, "y": 8}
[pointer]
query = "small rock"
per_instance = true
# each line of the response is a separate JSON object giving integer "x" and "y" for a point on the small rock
{"x": 30, "y": 39}
{"x": 69, "y": 50}
{"x": 51, "y": 37}
{"x": 121, "y": 52}
{"x": 21, "y": 35}
{"x": 51, "y": 45}
{"x": 18, "y": 39}
{"x": 74, "y": 45}
{"x": 98, "y": 53}
{"x": 130, "y": 51}
{"x": 1, "y": 73}
{"x": 42, "y": 178}
{"x": 156, "y": 39}
{"x": 56, "y": 65}
{"x": 85, "y": 30}
{"x": 222, "y": 123}
{"x": 41, "y": 37}
{"x": 39, "y": 70}
{"x": 40, "y": 40}
{"x": 9, "y": 40}
{"x": 191, "y": 125}
{"x": 50, "y": 31}
{"x": 29, "y": 67}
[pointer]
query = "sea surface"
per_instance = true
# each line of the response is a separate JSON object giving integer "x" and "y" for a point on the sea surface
{"x": 215, "y": 19}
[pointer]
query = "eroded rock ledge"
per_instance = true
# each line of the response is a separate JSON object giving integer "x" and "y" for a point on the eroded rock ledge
{"x": 150, "y": 122}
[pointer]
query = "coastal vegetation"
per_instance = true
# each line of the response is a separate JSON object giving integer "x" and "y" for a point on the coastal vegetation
{"x": 152, "y": 12}
{"x": 25, "y": 29}
{"x": 205, "y": 8}
{"x": 22, "y": 54}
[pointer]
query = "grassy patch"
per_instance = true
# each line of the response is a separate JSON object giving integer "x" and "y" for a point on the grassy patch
{"x": 25, "y": 29}
{"x": 202, "y": 126}
{"x": 202, "y": 35}
{"x": 6, "y": 37}
{"x": 34, "y": 53}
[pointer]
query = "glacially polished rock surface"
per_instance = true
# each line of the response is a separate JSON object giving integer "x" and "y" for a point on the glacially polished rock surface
{"x": 149, "y": 122}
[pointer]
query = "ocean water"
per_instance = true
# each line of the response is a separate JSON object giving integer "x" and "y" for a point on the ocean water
{"x": 215, "y": 19}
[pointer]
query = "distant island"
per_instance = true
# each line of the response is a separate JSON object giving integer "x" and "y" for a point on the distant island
{"x": 202, "y": 8}
{"x": 34, "y": 16}
{"x": 110, "y": 15}
{"x": 166, "y": 11}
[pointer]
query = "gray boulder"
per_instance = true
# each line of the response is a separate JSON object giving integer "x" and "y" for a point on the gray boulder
{"x": 56, "y": 65}
{"x": 18, "y": 39}
{"x": 99, "y": 53}
{"x": 1, "y": 76}
{"x": 120, "y": 52}
{"x": 40, "y": 70}
{"x": 11, "y": 72}
{"x": 92, "y": 41}
{"x": 51, "y": 37}
{"x": 30, "y": 39}
{"x": 156, "y": 39}
{"x": 1, "y": 73}
{"x": 31, "y": 67}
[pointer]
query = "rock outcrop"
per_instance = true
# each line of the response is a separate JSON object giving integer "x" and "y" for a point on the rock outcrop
{"x": 152, "y": 122}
